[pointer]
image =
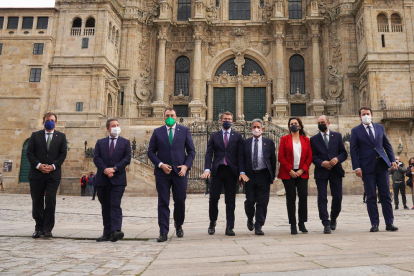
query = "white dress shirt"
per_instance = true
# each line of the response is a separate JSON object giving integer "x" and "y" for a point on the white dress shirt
{"x": 297, "y": 151}
{"x": 323, "y": 135}
{"x": 168, "y": 134}
{"x": 116, "y": 139}
{"x": 51, "y": 137}
{"x": 367, "y": 130}
{"x": 260, "y": 161}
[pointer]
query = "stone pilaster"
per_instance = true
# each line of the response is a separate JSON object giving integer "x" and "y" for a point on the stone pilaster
{"x": 318, "y": 103}
{"x": 210, "y": 100}
{"x": 239, "y": 93}
{"x": 269, "y": 96}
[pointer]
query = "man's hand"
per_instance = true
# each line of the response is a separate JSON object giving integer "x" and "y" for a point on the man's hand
{"x": 300, "y": 172}
{"x": 44, "y": 168}
{"x": 244, "y": 178}
{"x": 394, "y": 166}
{"x": 293, "y": 174}
{"x": 240, "y": 183}
{"x": 358, "y": 173}
{"x": 110, "y": 175}
{"x": 108, "y": 171}
{"x": 334, "y": 161}
{"x": 327, "y": 165}
{"x": 166, "y": 168}
{"x": 205, "y": 175}
{"x": 183, "y": 171}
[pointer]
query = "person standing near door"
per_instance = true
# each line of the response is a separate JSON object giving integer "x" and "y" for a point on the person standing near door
{"x": 226, "y": 169}
{"x": 84, "y": 183}
{"x": 46, "y": 152}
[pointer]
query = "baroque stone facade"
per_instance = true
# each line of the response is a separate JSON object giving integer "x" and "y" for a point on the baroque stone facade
{"x": 133, "y": 58}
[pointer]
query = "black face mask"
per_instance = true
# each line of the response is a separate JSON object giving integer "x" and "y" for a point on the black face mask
{"x": 294, "y": 128}
{"x": 322, "y": 127}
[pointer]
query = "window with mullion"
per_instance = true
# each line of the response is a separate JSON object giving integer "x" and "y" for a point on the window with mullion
{"x": 184, "y": 10}
{"x": 295, "y": 9}
{"x": 38, "y": 48}
{"x": 239, "y": 9}
{"x": 27, "y": 23}
{"x": 35, "y": 74}
{"x": 42, "y": 22}
{"x": 1, "y": 22}
{"x": 13, "y": 23}
{"x": 297, "y": 74}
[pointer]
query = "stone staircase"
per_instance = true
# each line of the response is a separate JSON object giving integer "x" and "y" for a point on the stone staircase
{"x": 141, "y": 179}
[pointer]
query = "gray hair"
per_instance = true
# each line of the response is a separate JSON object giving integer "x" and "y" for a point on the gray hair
{"x": 326, "y": 117}
{"x": 257, "y": 121}
{"x": 108, "y": 123}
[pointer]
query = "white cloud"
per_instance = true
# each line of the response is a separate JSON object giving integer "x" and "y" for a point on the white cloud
{"x": 27, "y": 3}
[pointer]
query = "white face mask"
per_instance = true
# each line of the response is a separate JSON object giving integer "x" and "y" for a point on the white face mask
{"x": 367, "y": 119}
{"x": 115, "y": 131}
{"x": 257, "y": 132}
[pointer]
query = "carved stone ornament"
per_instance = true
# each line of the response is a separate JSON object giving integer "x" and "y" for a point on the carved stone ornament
{"x": 212, "y": 12}
{"x": 266, "y": 47}
{"x": 267, "y": 10}
{"x": 336, "y": 82}
{"x": 298, "y": 97}
{"x": 212, "y": 48}
{"x": 142, "y": 92}
{"x": 255, "y": 78}
{"x": 240, "y": 42}
{"x": 180, "y": 98}
{"x": 224, "y": 78}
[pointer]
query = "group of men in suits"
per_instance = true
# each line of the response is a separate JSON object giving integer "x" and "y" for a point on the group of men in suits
{"x": 229, "y": 160}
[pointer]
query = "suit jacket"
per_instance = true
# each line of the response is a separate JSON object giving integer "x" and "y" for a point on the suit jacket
{"x": 159, "y": 149}
{"x": 286, "y": 158}
{"x": 121, "y": 157}
{"x": 234, "y": 152}
{"x": 364, "y": 152}
{"x": 269, "y": 157}
{"x": 321, "y": 153}
{"x": 37, "y": 153}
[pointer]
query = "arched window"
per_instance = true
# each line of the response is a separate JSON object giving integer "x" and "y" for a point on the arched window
{"x": 182, "y": 76}
{"x": 297, "y": 74}
{"x": 396, "y": 23}
{"x": 77, "y": 23}
{"x": 239, "y": 9}
{"x": 295, "y": 9}
{"x": 184, "y": 10}
{"x": 109, "y": 31}
{"x": 24, "y": 164}
{"x": 228, "y": 66}
{"x": 90, "y": 23}
{"x": 250, "y": 66}
{"x": 382, "y": 22}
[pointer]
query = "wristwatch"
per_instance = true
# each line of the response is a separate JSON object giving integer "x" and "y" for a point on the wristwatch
{"x": 115, "y": 168}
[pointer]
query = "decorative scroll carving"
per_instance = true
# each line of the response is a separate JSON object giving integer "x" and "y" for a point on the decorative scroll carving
{"x": 266, "y": 47}
{"x": 267, "y": 10}
{"x": 212, "y": 48}
{"x": 212, "y": 12}
{"x": 180, "y": 99}
{"x": 142, "y": 93}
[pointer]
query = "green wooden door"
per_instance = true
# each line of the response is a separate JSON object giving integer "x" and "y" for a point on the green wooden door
{"x": 254, "y": 103}
{"x": 24, "y": 164}
{"x": 224, "y": 100}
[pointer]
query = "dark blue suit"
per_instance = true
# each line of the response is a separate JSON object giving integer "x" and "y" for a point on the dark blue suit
{"x": 111, "y": 190}
{"x": 222, "y": 174}
{"x": 321, "y": 153}
{"x": 374, "y": 159}
{"x": 182, "y": 152}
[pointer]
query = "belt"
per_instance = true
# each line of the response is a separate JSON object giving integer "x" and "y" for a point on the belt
{"x": 259, "y": 171}
{"x": 378, "y": 158}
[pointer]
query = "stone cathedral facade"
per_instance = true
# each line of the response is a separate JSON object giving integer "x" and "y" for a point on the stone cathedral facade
{"x": 88, "y": 60}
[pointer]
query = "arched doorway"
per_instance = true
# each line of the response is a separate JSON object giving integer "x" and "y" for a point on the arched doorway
{"x": 24, "y": 165}
{"x": 241, "y": 87}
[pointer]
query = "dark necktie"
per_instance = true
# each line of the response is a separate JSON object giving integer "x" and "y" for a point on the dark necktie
{"x": 48, "y": 141}
{"x": 226, "y": 140}
{"x": 325, "y": 138}
{"x": 170, "y": 136}
{"x": 111, "y": 147}
{"x": 256, "y": 154}
{"x": 371, "y": 135}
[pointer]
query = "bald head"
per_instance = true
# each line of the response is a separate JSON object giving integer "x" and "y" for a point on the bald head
{"x": 324, "y": 118}
{"x": 323, "y": 123}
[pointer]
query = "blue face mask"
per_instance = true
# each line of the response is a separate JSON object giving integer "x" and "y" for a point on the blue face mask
{"x": 49, "y": 125}
{"x": 226, "y": 125}
{"x": 294, "y": 128}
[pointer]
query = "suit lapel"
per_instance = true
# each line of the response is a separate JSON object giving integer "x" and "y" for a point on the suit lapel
{"x": 176, "y": 133}
{"x": 290, "y": 143}
{"x": 54, "y": 139}
{"x": 43, "y": 138}
{"x": 364, "y": 132}
{"x": 249, "y": 148}
{"x": 331, "y": 137}
{"x": 321, "y": 141}
{"x": 164, "y": 133}
{"x": 376, "y": 133}
{"x": 221, "y": 138}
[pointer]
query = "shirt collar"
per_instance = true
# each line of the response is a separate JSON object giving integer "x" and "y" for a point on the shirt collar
{"x": 229, "y": 130}
{"x": 328, "y": 132}
{"x": 173, "y": 127}
{"x": 53, "y": 131}
{"x": 116, "y": 137}
{"x": 370, "y": 125}
{"x": 260, "y": 138}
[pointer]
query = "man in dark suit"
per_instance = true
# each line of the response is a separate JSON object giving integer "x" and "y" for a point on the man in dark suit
{"x": 260, "y": 165}
{"x": 112, "y": 155}
{"x": 46, "y": 152}
{"x": 372, "y": 156}
{"x": 328, "y": 152}
{"x": 226, "y": 169}
{"x": 167, "y": 151}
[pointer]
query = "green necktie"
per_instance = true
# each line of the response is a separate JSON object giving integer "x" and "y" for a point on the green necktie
{"x": 325, "y": 138}
{"x": 170, "y": 136}
{"x": 48, "y": 141}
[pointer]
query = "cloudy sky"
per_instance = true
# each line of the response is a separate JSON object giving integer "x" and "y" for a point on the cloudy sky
{"x": 26, "y": 3}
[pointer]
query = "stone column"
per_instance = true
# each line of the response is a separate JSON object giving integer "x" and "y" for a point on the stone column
{"x": 239, "y": 93}
{"x": 197, "y": 107}
{"x": 210, "y": 100}
{"x": 269, "y": 97}
{"x": 318, "y": 103}
{"x": 280, "y": 103}
{"x": 159, "y": 105}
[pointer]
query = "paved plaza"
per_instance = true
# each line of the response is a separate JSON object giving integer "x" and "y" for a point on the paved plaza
{"x": 349, "y": 250}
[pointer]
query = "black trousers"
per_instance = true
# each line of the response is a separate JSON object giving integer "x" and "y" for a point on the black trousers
{"x": 94, "y": 193}
{"x": 83, "y": 189}
{"x": 110, "y": 197}
{"x": 224, "y": 177}
{"x": 335, "y": 182}
{"x": 399, "y": 187}
{"x": 257, "y": 193}
{"x": 301, "y": 185}
{"x": 44, "y": 207}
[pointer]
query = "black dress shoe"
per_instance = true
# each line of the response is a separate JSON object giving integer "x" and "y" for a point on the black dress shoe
{"x": 103, "y": 238}
{"x": 293, "y": 229}
{"x": 302, "y": 227}
{"x": 179, "y": 231}
{"x": 391, "y": 227}
{"x": 162, "y": 238}
{"x": 212, "y": 228}
{"x": 327, "y": 229}
{"x": 250, "y": 225}
{"x": 258, "y": 231}
{"x": 229, "y": 232}
{"x": 333, "y": 224}
{"x": 116, "y": 235}
{"x": 396, "y": 207}
{"x": 37, "y": 234}
{"x": 48, "y": 235}
{"x": 374, "y": 228}
{"x": 406, "y": 207}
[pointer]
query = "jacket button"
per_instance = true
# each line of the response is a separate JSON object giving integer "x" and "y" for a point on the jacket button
{"x": 47, "y": 155}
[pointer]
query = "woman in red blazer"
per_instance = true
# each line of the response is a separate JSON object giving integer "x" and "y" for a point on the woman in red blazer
{"x": 295, "y": 158}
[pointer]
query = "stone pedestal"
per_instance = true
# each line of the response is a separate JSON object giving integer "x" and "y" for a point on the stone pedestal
{"x": 197, "y": 109}
{"x": 158, "y": 108}
{"x": 280, "y": 108}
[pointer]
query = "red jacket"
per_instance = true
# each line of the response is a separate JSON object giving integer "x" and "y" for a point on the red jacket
{"x": 84, "y": 181}
{"x": 285, "y": 156}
